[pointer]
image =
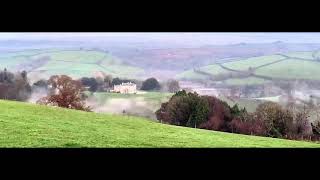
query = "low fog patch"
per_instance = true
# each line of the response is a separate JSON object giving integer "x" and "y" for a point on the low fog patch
{"x": 125, "y": 106}
{"x": 37, "y": 93}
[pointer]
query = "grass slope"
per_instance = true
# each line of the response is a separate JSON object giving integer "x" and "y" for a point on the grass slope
{"x": 28, "y": 125}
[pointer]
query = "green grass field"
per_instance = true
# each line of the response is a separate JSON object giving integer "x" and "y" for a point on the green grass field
{"x": 292, "y": 69}
{"x": 191, "y": 75}
{"x": 246, "y": 81}
{"x": 252, "y": 62}
{"x": 211, "y": 69}
{"x": 28, "y": 125}
{"x": 301, "y": 54}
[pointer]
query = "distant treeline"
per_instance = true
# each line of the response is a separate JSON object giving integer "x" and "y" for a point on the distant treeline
{"x": 14, "y": 86}
{"x": 106, "y": 83}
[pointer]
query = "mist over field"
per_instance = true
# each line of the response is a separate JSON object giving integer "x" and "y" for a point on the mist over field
{"x": 240, "y": 67}
{"x": 131, "y": 89}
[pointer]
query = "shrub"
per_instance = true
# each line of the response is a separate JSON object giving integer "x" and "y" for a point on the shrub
{"x": 219, "y": 115}
{"x": 248, "y": 124}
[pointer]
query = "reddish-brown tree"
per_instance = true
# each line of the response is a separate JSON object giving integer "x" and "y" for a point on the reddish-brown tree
{"x": 65, "y": 92}
{"x": 219, "y": 115}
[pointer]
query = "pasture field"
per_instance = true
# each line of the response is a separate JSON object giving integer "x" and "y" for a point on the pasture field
{"x": 293, "y": 65}
{"x": 29, "y": 125}
{"x": 246, "y": 81}
{"x": 292, "y": 69}
{"x": 211, "y": 69}
{"x": 191, "y": 75}
{"x": 301, "y": 54}
{"x": 253, "y": 62}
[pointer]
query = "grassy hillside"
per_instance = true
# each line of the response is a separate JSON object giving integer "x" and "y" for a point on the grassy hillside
{"x": 28, "y": 125}
{"x": 75, "y": 63}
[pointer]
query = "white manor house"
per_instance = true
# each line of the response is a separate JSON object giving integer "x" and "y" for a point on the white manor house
{"x": 125, "y": 88}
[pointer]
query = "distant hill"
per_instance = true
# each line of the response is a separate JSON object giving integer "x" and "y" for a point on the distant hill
{"x": 187, "y": 58}
{"x": 76, "y": 63}
{"x": 139, "y": 59}
{"x": 300, "y": 65}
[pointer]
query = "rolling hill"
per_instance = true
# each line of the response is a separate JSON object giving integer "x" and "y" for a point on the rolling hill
{"x": 29, "y": 125}
{"x": 260, "y": 70}
{"x": 187, "y": 57}
{"x": 75, "y": 63}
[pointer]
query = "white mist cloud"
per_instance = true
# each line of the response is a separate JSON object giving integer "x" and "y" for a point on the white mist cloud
{"x": 196, "y": 38}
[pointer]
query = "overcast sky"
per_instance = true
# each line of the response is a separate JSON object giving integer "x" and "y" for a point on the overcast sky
{"x": 199, "y": 38}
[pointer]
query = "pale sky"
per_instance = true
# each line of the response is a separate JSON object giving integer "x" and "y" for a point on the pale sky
{"x": 201, "y": 38}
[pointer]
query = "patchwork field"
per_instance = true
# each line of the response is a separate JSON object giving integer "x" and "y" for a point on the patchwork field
{"x": 28, "y": 125}
{"x": 293, "y": 65}
{"x": 75, "y": 63}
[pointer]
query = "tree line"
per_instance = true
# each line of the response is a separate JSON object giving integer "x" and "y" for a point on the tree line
{"x": 208, "y": 112}
{"x": 151, "y": 84}
{"x": 63, "y": 91}
{"x": 14, "y": 86}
